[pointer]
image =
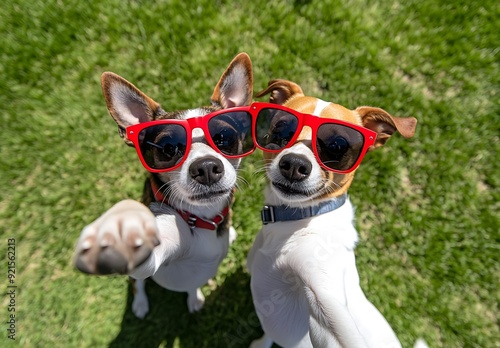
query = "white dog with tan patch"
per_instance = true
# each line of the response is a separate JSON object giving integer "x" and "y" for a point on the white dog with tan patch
{"x": 304, "y": 281}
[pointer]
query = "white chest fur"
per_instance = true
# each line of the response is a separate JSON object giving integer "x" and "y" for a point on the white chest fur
{"x": 292, "y": 261}
{"x": 276, "y": 290}
{"x": 196, "y": 258}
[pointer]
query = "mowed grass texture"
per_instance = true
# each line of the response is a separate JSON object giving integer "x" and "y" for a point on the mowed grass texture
{"x": 427, "y": 208}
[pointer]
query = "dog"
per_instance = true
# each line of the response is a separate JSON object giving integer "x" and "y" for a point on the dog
{"x": 304, "y": 281}
{"x": 185, "y": 234}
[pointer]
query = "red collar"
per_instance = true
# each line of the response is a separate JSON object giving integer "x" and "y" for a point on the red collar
{"x": 191, "y": 219}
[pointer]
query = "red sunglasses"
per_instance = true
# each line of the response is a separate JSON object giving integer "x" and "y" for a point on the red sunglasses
{"x": 163, "y": 145}
{"x": 339, "y": 146}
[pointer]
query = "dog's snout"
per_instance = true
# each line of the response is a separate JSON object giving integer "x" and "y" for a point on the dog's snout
{"x": 207, "y": 171}
{"x": 295, "y": 167}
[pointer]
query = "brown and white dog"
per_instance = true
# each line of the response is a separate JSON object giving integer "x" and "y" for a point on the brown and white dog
{"x": 304, "y": 281}
{"x": 175, "y": 244}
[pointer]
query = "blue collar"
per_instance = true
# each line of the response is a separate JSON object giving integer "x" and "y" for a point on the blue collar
{"x": 277, "y": 213}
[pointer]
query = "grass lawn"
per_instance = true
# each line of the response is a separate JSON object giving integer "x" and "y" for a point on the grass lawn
{"x": 427, "y": 208}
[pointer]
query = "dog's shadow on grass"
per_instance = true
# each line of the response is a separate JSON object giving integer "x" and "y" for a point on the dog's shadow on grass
{"x": 228, "y": 318}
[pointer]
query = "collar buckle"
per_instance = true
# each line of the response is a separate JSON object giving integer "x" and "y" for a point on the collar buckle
{"x": 191, "y": 221}
{"x": 267, "y": 214}
{"x": 278, "y": 213}
{"x": 195, "y": 221}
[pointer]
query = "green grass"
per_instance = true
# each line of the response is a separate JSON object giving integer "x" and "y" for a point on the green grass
{"x": 427, "y": 208}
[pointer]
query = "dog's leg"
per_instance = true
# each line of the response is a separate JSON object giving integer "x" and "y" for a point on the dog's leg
{"x": 319, "y": 337}
{"x": 232, "y": 235}
{"x": 195, "y": 300}
{"x": 140, "y": 304}
{"x": 329, "y": 311}
{"x": 263, "y": 342}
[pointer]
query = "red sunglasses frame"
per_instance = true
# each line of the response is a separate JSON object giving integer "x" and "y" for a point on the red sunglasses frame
{"x": 314, "y": 122}
{"x": 189, "y": 124}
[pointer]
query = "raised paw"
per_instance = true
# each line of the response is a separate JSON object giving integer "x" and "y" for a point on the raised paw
{"x": 195, "y": 301}
{"x": 118, "y": 241}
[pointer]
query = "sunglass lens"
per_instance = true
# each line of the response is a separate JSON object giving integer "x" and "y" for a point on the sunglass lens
{"x": 231, "y": 132}
{"x": 338, "y": 146}
{"x": 163, "y": 146}
{"x": 275, "y": 128}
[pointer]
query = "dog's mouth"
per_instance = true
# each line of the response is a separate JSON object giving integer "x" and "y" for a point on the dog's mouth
{"x": 211, "y": 195}
{"x": 291, "y": 190}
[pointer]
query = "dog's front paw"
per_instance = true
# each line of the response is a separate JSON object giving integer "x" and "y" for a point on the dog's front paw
{"x": 195, "y": 301}
{"x": 118, "y": 241}
{"x": 140, "y": 304}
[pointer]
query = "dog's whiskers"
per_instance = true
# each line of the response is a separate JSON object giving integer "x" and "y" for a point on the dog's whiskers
{"x": 242, "y": 180}
{"x": 163, "y": 189}
{"x": 261, "y": 169}
{"x": 172, "y": 192}
{"x": 327, "y": 185}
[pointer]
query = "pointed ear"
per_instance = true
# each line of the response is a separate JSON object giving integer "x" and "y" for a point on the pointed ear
{"x": 281, "y": 91}
{"x": 126, "y": 103}
{"x": 235, "y": 87}
{"x": 384, "y": 124}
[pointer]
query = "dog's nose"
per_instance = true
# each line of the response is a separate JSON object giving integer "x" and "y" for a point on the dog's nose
{"x": 295, "y": 167}
{"x": 207, "y": 171}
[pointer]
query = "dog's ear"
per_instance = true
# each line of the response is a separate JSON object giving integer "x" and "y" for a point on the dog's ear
{"x": 384, "y": 124}
{"x": 235, "y": 87}
{"x": 281, "y": 91}
{"x": 126, "y": 103}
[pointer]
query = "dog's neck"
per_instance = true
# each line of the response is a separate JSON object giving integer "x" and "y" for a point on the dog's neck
{"x": 204, "y": 217}
{"x": 271, "y": 198}
{"x": 285, "y": 212}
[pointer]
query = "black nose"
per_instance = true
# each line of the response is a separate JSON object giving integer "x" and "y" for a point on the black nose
{"x": 295, "y": 167}
{"x": 207, "y": 171}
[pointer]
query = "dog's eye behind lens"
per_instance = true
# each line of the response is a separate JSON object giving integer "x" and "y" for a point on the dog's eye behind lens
{"x": 231, "y": 132}
{"x": 226, "y": 141}
{"x": 338, "y": 146}
{"x": 171, "y": 150}
{"x": 163, "y": 146}
{"x": 275, "y": 128}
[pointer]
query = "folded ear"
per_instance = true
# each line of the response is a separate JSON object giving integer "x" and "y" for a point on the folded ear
{"x": 281, "y": 91}
{"x": 384, "y": 124}
{"x": 126, "y": 103}
{"x": 235, "y": 87}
